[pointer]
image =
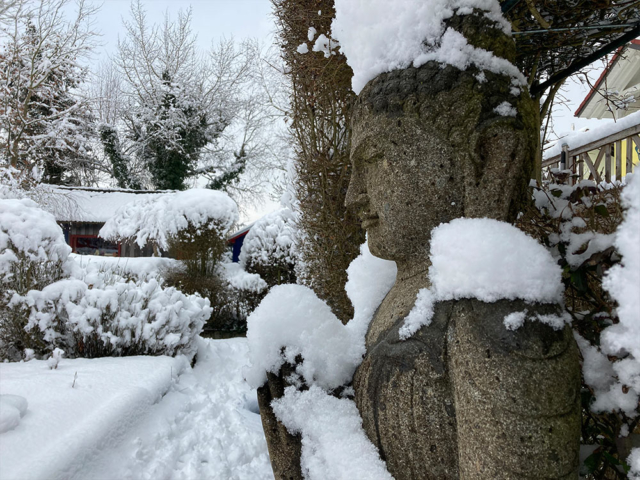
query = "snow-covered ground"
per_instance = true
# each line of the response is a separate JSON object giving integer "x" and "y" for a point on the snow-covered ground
{"x": 136, "y": 418}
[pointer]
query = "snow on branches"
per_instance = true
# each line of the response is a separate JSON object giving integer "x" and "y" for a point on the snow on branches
{"x": 43, "y": 119}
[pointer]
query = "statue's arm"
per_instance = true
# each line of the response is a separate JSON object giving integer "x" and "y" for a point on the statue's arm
{"x": 516, "y": 393}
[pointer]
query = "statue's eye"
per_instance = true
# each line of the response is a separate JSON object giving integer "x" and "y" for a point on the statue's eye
{"x": 374, "y": 158}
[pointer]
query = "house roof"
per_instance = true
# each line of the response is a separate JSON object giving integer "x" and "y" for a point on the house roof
{"x": 240, "y": 233}
{"x": 91, "y": 205}
{"x": 622, "y": 74}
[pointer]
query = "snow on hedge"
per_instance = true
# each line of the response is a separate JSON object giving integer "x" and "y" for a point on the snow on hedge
{"x": 28, "y": 234}
{"x": 90, "y": 311}
{"x": 622, "y": 281}
{"x": 114, "y": 315}
{"x": 240, "y": 279}
{"x": 488, "y": 260}
{"x": 334, "y": 445}
{"x": 377, "y": 36}
{"x": 139, "y": 267}
{"x": 157, "y": 219}
{"x": 292, "y": 321}
{"x": 272, "y": 239}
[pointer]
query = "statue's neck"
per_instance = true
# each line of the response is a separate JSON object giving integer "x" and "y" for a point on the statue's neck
{"x": 411, "y": 277}
{"x": 414, "y": 271}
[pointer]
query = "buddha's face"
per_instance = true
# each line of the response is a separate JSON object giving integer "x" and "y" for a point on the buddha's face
{"x": 403, "y": 184}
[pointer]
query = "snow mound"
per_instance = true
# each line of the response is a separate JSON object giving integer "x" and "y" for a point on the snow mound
{"x": 292, "y": 321}
{"x": 12, "y": 409}
{"x": 488, "y": 260}
{"x": 157, "y": 219}
{"x": 28, "y": 233}
{"x": 334, "y": 444}
{"x": 376, "y": 36}
{"x": 68, "y": 426}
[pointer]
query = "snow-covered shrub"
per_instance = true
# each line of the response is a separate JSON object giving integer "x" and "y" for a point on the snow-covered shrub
{"x": 159, "y": 220}
{"x": 583, "y": 227}
{"x": 269, "y": 249}
{"x": 47, "y": 301}
{"x": 233, "y": 293}
{"x": 33, "y": 254}
{"x": 191, "y": 226}
{"x": 105, "y": 314}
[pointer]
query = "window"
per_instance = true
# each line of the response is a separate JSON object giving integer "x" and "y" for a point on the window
{"x": 92, "y": 245}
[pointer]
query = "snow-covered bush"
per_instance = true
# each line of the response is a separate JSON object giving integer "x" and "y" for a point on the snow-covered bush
{"x": 593, "y": 231}
{"x": 33, "y": 254}
{"x": 233, "y": 292}
{"x": 105, "y": 314}
{"x": 160, "y": 220}
{"x": 269, "y": 249}
{"x": 49, "y": 301}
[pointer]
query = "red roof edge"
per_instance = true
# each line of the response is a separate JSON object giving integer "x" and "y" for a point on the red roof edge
{"x": 601, "y": 79}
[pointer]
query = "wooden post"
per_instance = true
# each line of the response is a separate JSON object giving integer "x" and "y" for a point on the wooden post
{"x": 592, "y": 168}
{"x": 619, "y": 160}
{"x": 629, "y": 166}
{"x": 607, "y": 163}
{"x": 580, "y": 168}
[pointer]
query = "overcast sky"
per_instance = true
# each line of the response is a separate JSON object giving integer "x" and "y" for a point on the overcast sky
{"x": 214, "y": 19}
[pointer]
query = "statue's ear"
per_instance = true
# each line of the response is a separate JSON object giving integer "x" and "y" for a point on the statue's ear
{"x": 501, "y": 159}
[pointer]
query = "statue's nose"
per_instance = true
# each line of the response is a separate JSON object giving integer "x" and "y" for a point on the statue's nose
{"x": 357, "y": 192}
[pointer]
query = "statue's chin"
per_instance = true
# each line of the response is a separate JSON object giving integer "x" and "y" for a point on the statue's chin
{"x": 377, "y": 248}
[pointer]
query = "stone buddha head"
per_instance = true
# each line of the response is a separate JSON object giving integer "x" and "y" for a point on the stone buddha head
{"x": 430, "y": 144}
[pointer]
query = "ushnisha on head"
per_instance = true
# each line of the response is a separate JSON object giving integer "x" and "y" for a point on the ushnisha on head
{"x": 429, "y": 146}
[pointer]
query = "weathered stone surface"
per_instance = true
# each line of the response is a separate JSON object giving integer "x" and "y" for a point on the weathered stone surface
{"x": 516, "y": 393}
{"x": 405, "y": 397}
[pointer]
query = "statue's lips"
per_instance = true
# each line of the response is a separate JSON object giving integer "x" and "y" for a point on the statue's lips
{"x": 369, "y": 220}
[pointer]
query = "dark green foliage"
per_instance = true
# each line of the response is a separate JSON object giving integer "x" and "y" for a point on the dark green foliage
{"x": 119, "y": 163}
{"x": 232, "y": 174}
{"x": 175, "y": 138}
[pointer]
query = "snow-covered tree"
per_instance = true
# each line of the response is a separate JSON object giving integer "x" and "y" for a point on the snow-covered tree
{"x": 44, "y": 121}
{"x": 185, "y": 111}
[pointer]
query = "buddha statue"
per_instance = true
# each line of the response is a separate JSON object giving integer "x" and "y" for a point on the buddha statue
{"x": 464, "y": 397}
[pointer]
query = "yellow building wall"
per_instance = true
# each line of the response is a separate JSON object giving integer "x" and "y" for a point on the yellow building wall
{"x": 635, "y": 158}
